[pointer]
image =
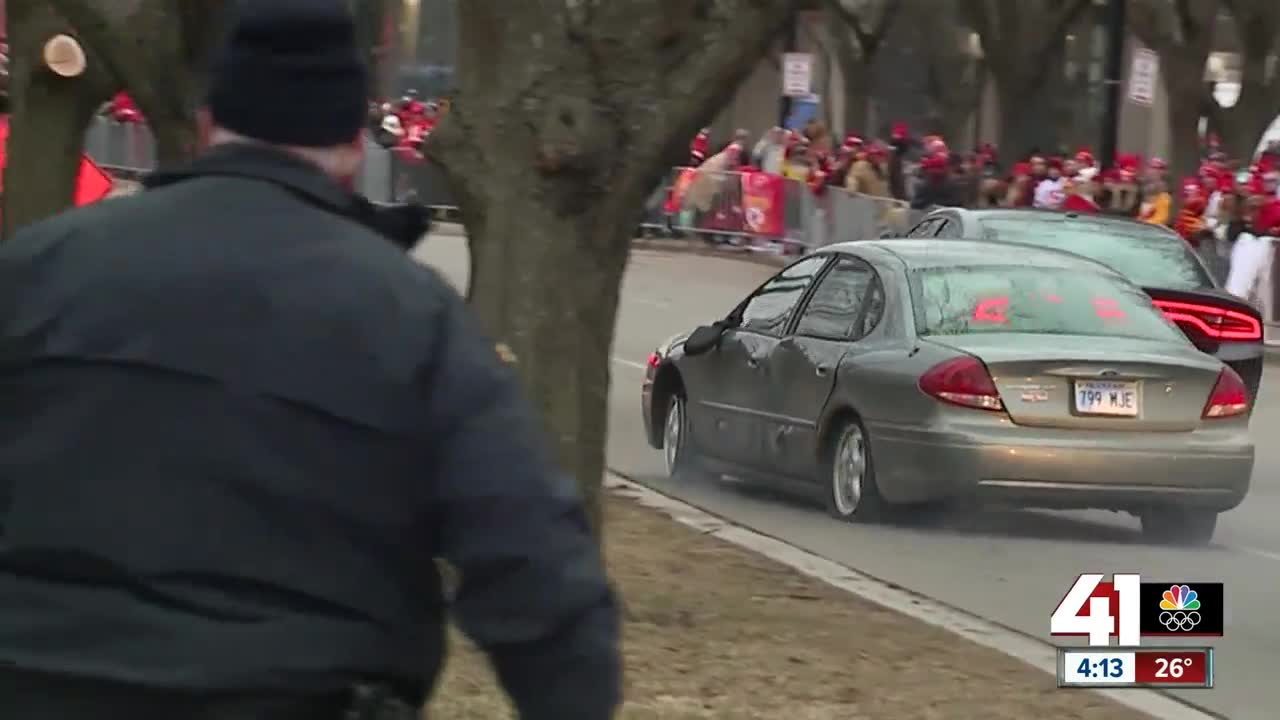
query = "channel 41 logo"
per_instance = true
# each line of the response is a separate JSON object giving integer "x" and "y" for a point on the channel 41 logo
{"x": 1128, "y": 609}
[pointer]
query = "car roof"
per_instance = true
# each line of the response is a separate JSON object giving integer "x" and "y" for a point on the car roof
{"x": 1120, "y": 223}
{"x": 932, "y": 253}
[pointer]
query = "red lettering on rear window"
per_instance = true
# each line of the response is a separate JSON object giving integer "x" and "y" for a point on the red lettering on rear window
{"x": 993, "y": 310}
{"x": 1107, "y": 309}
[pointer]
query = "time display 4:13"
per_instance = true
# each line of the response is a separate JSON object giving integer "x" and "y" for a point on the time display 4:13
{"x": 1106, "y": 668}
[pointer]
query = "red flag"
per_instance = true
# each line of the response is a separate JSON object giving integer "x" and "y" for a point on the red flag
{"x": 763, "y": 198}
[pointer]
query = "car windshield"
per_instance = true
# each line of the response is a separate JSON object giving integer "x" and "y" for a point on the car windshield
{"x": 1147, "y": 257}
{"x": 1028, "y": 299}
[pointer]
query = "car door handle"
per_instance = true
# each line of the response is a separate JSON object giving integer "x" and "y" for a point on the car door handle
{"x": 821, "y": 370}
{"x": 753, "y": 363}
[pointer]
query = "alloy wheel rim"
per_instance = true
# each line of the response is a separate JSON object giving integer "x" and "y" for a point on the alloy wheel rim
{"x": 849, "y": 471}
{"x": 672, "y": 437}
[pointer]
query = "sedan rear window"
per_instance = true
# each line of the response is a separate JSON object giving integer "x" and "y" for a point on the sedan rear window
{"x": 1147, "y": 257}
{"x": 1024, "y": 299}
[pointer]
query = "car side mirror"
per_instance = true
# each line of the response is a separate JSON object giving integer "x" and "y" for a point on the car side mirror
{"x": 704, "y": 339}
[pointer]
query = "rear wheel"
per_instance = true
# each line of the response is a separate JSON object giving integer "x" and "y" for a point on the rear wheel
{"x": 852, "y": 493}
{"x": 1179, "y": 526}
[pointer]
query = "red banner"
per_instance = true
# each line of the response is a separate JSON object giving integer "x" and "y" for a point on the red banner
{"x": 763, "y": 199}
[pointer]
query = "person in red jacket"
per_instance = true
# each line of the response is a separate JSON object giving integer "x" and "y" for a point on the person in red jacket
{"x": 699, "y": 147}
{"x": 1266, "y": 222}
{"x": 1190, "y": 221}
{"x": 1080, "y": 193}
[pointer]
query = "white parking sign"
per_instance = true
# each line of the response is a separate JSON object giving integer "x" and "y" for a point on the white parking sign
{"x": 1143, "y": 75}
{"x": 797, "y": 74}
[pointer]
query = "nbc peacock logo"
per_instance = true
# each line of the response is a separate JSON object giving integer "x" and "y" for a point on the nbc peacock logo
{"x": 1179, "y": 608}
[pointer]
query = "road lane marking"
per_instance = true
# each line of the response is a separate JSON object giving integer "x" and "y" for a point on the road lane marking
{"x": 1256, "y": 552}
{"x": 1027, "y": 648}
{"x": 630, "y": 363}
{"x": 652, "y": 303}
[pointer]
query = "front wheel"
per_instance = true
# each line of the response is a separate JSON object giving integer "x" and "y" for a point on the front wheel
{"x": 675, "y": 438}
{"x": 852, "y": 493}
{"x": 1179, "y": 526}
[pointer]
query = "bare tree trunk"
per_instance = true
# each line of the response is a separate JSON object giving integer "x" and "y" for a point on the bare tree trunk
{"x": 1186, "y": 93}
{"x": 857, "y": 81}
{"x": 547, "y": 285}
{"x": 1182, "y": 34}
{"x": 858, "y": 31}
{"x": 1244, "y": 123}
{"x": 1029, "y": 109}
{"x": 1257, "y": 25}
{"x": 562, "y": 119}
{"x": 371, "y": 23}
{"x": 150, "y": 47}
{"x": 162, "y": 75}
{"x": 48, "y": 120}
{"x": 951, "y": 76}
{"x": 1022, "y": 44}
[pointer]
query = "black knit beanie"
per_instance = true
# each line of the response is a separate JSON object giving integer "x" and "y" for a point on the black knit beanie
{"x": 290, "y": 73}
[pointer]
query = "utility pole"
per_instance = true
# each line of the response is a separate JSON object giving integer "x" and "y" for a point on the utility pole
{"x": 790, "y": 44}
{"x": 1113, "y": 80}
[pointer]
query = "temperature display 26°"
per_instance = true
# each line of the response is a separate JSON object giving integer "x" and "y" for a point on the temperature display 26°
{"x": 1135, "y": 667}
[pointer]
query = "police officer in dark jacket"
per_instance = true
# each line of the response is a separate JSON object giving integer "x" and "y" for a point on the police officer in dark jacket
{"x": 237, "y": 423}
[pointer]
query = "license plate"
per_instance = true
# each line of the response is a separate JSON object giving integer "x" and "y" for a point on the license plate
{"x": 1106, "y": 397}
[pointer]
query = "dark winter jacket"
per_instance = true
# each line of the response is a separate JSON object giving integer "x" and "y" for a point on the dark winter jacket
{"x": 936, "y": 191}
{"x": 238, "y": 424}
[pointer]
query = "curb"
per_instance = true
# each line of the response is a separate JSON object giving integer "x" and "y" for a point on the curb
{"x": 689, "y": 247}
{"x": 698, "y": 247}
{"x": 1036, "y": 653}
{"x": 442, "y": 227}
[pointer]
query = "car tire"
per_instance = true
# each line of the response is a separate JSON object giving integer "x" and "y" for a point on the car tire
{"x": 849, "y": 477}
{"x": 1179, "y": 526}
{"x": 677, "y": 455}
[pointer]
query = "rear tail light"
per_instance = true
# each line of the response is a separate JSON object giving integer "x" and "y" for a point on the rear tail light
{"x": 654, "y": 360}
{"x": 1229, "y": 397}
{"x": 962, "y": 381}
{"x": 1215, "y": 322}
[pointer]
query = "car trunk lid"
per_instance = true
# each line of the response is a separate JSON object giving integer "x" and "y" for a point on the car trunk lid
{"x": 1094, "y": 382}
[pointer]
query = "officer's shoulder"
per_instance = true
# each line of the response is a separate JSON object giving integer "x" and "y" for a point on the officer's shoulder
{"x": 93, "y": 219}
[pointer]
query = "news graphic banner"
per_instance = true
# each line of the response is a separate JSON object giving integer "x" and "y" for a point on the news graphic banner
{"x": 1170, "y": 667}
{"x": 1126, "y": 609}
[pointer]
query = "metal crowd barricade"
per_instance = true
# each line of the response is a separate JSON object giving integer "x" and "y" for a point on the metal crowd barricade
{"x": 125, "y": 149}
{"x": 655, "y": 220}
{"x": 413, "y": 178}
{"x": 855, "y": 216}
{"x": 709, "y": 204}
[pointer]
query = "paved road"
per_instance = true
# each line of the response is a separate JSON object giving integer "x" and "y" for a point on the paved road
{"x": 1010, "y": 567}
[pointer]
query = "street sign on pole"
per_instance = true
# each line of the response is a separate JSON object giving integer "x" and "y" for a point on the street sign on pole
{"x": 797, "y": 74}
{"x": 1144, "y": 73}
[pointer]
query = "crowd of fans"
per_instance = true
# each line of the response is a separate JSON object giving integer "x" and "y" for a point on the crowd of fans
{"x": 403, "y": 124}
{"x": 1224, "y": 200}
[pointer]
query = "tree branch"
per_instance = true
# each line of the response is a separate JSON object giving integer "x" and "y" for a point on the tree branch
{"x": 1057, "y": 25}
{"x": 1186, "y": 26}
{"x": 1148, "y": 22}
{"x": 890, "y": 13}
{"x": 103, "y": 24}
{"x": 869, "y": 40}
{"x": 979, "y": 15}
